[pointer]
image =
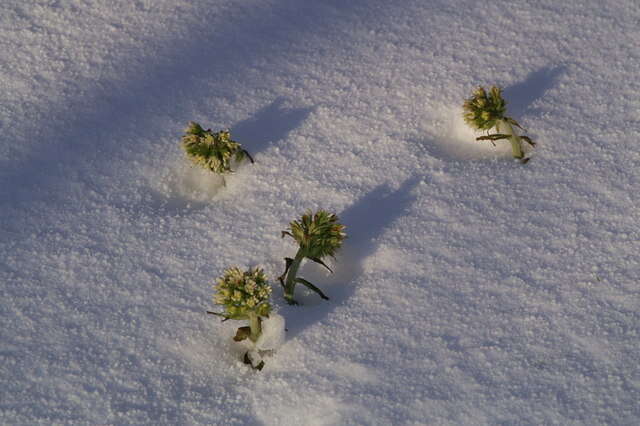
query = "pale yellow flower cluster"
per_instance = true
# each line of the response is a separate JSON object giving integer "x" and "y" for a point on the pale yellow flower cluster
{"x": 243, "y": 291}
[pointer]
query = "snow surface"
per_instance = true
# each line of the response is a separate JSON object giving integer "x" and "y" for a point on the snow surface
{"x": 472, "y": 289}
{"x": 273, "y": 333}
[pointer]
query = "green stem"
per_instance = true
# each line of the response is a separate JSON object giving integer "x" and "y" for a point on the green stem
{"x": 503, "y": 126}
{"x": 290, "y": 282}
{"x": 256, "y": 327}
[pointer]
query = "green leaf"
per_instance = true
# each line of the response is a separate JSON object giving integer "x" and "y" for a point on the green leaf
{"x": 213, "y": 151}
{"x": 238, "y": 316}
{"x": 528, "y": 140}
{"x": 514, "y": 122}
{"x": 312, "y": 287}
{"x": 245, "y": 152}
{"x": 239, "y": 155}
{"x": 224, "y": 317}
{"x": 318, "y": 260}
{"x": 494, "y": 137}
{"x": 242, "y": 334}
{"x": 288, "y": 262}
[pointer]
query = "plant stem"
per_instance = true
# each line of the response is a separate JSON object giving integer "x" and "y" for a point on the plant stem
{"x": 290, "y": 282}
{"x": 503, "y": 126}
{"x": 256, "y": 327}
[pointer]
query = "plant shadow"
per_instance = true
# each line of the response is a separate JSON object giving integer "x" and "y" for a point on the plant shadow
{"x": 100, "y": 124}
{"x": 189, "y": 188}
{"x": 366, "y": 221}
{"x": 456, "y": 140}
{"x": 521, "y": 96}
{"x": 269, "y": 125}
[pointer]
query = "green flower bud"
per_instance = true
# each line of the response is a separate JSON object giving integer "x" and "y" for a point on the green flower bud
{"x": 194, "y": 129}
{"x": 487, "y": 111}
{"x": 318, "y": 234}
{"x": 480, "y": 93}
{"x": 482, "y": 111}
{"x": 213, "y": 151}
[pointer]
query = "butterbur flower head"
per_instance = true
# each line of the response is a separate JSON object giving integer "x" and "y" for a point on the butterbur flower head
{"x": 213, "y": 151}
{"x": 241, "y": 292}
{"x": 194, "y": 128}
{"x": 318, "y": 234}
{"x": 483, "y": 110}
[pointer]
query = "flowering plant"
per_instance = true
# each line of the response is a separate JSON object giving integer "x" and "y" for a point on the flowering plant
{"x": 213, "y": 151}
{"x": 485, "y": 111}
{"x": 244, "y": 295}
{"x": 318, "y": 235}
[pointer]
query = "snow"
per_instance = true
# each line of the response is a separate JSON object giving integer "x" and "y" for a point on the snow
{"x": 273, "y": 333}
{"x": 472, "y": 289}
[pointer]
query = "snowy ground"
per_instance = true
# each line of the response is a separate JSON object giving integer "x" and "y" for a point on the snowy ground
{"x": 472, "y": 290}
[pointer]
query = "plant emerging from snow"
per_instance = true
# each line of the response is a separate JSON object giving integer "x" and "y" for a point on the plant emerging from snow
{"x": 486, "y": 111}
{"x": 213, "y": 151}
{"x": 318, "y": 235}
{"x": 244, "y": 295}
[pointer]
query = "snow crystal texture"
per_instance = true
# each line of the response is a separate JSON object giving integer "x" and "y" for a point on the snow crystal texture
{"x": 471, "y": 290}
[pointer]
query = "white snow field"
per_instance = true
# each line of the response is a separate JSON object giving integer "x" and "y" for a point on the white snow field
{"x": 472, "y": 289}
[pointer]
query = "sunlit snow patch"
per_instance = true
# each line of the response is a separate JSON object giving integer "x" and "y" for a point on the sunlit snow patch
{"x": 331, "y": 283}
{"x": 191, "y": 183}
{"x": 272, "y": 336}
{"x": 455, "y": 139}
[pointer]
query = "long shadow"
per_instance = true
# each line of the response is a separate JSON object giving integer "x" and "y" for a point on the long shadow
{"x": 85, "y": 134}
{"x": 521, "y": 96}
{"x": 454, "y": 146}
{"x": 366, "y": 221}
{"x": 269, "y": 125}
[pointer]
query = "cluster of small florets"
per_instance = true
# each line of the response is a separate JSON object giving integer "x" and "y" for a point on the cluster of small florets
{"x": 213, "y": 151}
{"x": 241, "y": 292}
{"x": 318, "y": 234}
{"x": 483, "y": 110}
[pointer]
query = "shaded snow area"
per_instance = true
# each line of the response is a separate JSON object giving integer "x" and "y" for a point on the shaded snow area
{"x": 472, "y": 289}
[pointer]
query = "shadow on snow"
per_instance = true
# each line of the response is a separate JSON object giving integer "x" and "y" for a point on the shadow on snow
{"x": 269, "y": 125}
{"x": 366, "y": 222}
{"x": 455, "y": 141}
{"x": 257, "y": 133}
{"x": 521, "y": 96}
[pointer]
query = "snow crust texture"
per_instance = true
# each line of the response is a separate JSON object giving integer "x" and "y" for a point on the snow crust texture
{"x": 472, "y": 289}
